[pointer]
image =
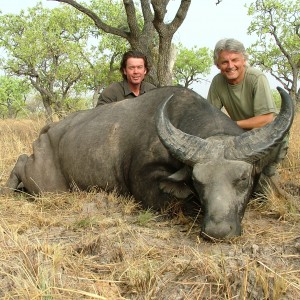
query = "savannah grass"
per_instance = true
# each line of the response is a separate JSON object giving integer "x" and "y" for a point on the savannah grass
{"x": 104, "y": 246}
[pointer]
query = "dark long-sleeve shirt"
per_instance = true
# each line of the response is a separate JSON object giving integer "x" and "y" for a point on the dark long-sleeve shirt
{"x": 120, "y": 90}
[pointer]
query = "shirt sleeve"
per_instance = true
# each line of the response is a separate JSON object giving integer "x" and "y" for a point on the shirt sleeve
{"x": 213, "y": 97}
{"x": 112, "y": 93}
{"x": 263, "y": 99}
{"x": 104, "y": 98}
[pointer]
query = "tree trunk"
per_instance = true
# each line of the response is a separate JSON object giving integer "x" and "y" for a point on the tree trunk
{"x": 48, "y": 109}
{"x": 143, "y": 39}
{"x": 163, "y": 68}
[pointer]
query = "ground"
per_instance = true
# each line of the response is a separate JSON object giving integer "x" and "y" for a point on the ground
{"x": 103, "y": 246}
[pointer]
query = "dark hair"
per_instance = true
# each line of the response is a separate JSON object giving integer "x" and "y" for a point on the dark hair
{"x": 230, "y": 45}
{"x": 132, "y": 54}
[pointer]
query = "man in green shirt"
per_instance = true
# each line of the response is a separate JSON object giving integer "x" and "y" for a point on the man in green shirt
{"x": 134, "y": 67}
{"x": 244, "y": 92}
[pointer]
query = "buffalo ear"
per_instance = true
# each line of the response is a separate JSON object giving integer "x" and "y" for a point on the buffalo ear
{"x": 176, "y": 185}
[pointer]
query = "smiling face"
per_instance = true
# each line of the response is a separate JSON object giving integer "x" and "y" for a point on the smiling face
{"x": 135, "y": 70}
{"x": 232, "y": 66}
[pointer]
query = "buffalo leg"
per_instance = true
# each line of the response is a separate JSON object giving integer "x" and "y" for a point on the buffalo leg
{"x": 14, "y": 179}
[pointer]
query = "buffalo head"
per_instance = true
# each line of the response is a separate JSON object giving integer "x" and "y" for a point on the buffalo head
{"x": 223, "y": 167}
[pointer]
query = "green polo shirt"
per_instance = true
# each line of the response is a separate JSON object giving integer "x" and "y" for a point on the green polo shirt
{"x": 249, "y": 98}
{"x": 120, "y": 90}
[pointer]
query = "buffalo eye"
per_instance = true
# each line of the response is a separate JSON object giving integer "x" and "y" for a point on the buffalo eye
{"x": 242, "y": 182}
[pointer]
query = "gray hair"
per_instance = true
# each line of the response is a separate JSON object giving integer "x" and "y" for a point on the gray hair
{"x": 230, "y": 45}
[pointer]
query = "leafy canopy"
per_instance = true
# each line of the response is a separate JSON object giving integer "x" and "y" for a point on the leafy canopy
{"x": 191, "y": 65}
{"x": 276, "y": 23}
{"x": 12, "y": 96}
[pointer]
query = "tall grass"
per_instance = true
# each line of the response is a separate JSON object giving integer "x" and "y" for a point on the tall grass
{"x": 104, "y": 246}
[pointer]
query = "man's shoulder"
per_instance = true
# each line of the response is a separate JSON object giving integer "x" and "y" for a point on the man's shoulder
{"x": 254, "y": 71}
{"x": 113, "y": 92}
{"x": 115, "y": 85}
{"x": 254, "y": 76}
{"x": 148, "y": 86}
{"x": 219, "y": 78}
{"x": 219, "y": 82}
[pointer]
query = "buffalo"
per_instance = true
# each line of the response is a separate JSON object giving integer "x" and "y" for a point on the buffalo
{"x": 167, "y": 145}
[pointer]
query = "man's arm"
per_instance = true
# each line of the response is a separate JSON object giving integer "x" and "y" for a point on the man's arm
{"x": 256, "y": 122}
{"x": 114, "y": 92}
{"x": 102, "y": 100}
{"x": 110, "y": 94}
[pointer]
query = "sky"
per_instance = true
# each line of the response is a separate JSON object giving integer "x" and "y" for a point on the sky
{"x": 205, "y": 24}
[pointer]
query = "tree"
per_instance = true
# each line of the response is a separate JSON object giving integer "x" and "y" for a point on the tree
{"x": 44, "y": 46}
{"x": 77, "y": 60}
{"x": 190, "y": 64}
{"x": 102, "y": 71}
{"x": 143, "y": 36}
{"x": 13, "y": 93}
{"x": 104, "y": 56}
{"x": 277, "y": 51}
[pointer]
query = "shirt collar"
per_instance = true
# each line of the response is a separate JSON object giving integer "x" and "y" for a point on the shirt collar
{"x": 127, "y": 90}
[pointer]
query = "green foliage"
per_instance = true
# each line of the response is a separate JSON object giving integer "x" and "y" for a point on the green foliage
{"x": 145, "y": 217}
{"x": 277, "y": 99}
{"x": 77, "y": 103}
{"x": 61, "y": 54}
{"x": 13, "y": 93}
{"x": 190, "y": 64}
{"x": 45, "y": 47}
{"x": 113, "y": 14}
{"x": 276, "y": 23}
{"x": 104, "y": 55}
{"x": 86, "y": 222}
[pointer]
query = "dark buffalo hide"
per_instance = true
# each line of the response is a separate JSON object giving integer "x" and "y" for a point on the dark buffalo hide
{"x": 167, "y": 145}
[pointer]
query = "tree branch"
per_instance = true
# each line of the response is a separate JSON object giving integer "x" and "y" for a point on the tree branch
{"x": 131, "y": 17}
{"x": 98, "y": 22}
{"x": 159, "y": 8}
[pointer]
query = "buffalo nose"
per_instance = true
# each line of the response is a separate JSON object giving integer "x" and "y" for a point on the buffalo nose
{"x": 220, "y": 230}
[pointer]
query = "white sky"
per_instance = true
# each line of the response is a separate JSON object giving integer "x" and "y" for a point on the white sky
{"x": 205, "y": 24}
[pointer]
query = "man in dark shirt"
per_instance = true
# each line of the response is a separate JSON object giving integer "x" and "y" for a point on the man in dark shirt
{"x": 134, "y": 68}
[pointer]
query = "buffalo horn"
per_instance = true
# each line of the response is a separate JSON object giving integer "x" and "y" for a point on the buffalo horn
{"x": 249, "y": 146}
{"x": 185, "y": 147}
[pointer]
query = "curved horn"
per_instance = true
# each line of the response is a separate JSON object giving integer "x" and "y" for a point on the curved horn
{"x": 255, "y": 144}
{"x": 185, "y": 147}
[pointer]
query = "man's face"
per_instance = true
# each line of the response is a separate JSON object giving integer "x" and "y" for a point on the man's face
{"x": 232, "y": 66}
{"x": 135, "y": 70}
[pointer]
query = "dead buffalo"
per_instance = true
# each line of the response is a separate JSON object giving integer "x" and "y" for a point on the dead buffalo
{"x": 169, "y": 144}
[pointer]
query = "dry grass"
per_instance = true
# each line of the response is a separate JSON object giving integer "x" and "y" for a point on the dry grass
{"x": 103, "y": 246}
